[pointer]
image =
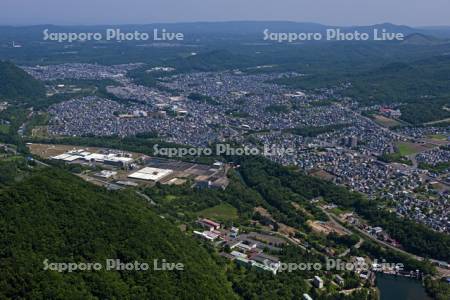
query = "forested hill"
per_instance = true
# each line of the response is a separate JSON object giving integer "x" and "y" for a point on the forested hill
{"x": 56, "y": 216}
{"x": 16, "y": 84}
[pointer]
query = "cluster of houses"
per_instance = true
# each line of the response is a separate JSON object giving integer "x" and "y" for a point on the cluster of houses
{"x": 247, "y": 249}
{"x": 390, "y": 113}
{"x": 3, "y": 105}
{"x": 241, "y": 248}
{"x": 376, "y": 232}
{"x": 381, "y": 235}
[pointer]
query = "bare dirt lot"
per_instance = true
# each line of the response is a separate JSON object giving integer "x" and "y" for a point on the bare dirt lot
{"x": 325, "y": 227}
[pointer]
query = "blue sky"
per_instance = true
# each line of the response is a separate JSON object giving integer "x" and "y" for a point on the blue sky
{"x": 332, "y": 12}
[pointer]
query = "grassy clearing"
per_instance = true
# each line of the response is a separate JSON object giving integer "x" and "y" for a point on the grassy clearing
{"x": 170, "y": 198}
{"x": 223, "y": 212}
{"x": 4, "y": 129}
{"x": 386, "y": 122}
{"x": 437, "y": 137}
{"x": 406, "y": 148}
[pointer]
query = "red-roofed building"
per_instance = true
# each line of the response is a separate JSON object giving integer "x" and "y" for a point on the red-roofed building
{"x": 211, "y": 225}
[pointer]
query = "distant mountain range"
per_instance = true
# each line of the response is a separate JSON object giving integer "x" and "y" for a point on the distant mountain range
{"x": 421, "y": 39}
{"x": 219, "y": 29}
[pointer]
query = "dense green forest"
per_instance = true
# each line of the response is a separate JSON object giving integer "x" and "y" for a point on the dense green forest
{"x": 13, "y": 169}
{"x": 439, "y": 290}
{"x": 56, "y": 216}
{"x": 16, "y": 84}
{"x": 15, "y": 116}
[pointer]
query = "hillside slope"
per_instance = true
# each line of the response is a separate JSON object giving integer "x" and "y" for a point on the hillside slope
{"x": 16, "y": 84}
{"x": 56, "y": 216}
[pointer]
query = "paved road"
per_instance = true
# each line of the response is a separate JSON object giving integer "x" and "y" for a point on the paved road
{"x": 146, "y": 198}
{"x": 41, "y": 163}
{"x": 441, "y": 271}
{"x": 335, "y": 222}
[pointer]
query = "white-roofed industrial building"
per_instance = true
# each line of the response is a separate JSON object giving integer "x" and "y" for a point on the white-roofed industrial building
{"x": 153, "y": 174}
{"x": 110, "y": 159}
{"x": 67, "y": 157}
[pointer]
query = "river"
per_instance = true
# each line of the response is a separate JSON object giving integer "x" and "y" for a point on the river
{"x": 400, "y": 288}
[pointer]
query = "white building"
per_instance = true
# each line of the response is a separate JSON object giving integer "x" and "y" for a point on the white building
{"x": 318, "y": 282}
{"x": 307, "y": 297}
{"x": 152, "y": 174}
